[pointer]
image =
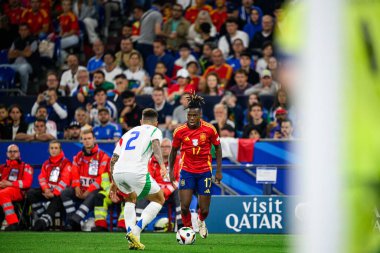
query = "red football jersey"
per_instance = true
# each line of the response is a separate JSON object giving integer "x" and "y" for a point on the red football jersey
{"x": 195, "y": 146}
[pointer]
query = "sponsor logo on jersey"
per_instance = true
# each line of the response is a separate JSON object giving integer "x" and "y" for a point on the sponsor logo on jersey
{"x": 195, "y": 142}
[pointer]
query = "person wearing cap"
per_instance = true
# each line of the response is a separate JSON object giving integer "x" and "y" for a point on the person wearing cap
{"x": 176, "y": 28}
{"x": 159, "y": 54}
{"x": 226, "y": 41}
{"x": 131, "y": 114}
{"x": 182, "y": 86}
{"x": 274, "y": 127}
{"x": 266, "y": 86}
{"x": 106, "y": 130}
{"x": 74, "y": 131}
{"x": 185, "y": 57}
{"x": 241, "y": 79}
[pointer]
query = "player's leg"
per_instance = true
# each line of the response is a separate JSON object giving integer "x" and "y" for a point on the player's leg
{"x": 204, "y": 182}
{"x": 186, "y": 190}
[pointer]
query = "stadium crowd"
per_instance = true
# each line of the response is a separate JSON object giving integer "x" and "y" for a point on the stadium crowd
{"x": 102, "y": 56}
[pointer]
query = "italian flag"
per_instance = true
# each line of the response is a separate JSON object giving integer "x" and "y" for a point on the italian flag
{"x": 240, "y": 150}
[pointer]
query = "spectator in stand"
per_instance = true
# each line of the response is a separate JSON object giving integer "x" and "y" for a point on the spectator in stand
{"x": 131, "y": 114}
{"x": 238, "y": 49}
{"x": 110, "y": 68}
{"x": 87, "y": 13}
{"x": 96, "y": 62}
{"x": 254, "y": 134}
{"x": 15, "y": 178}
{"x": 245, "y": 10}
{"x": 4, "y": 119}
{"x": 74, "y": 130}
{"x": 23, "y": 56}
{"x": 226, "y": 41}
{"x": 99, "y": 81}
{"x": 69, "y": 78}
{"x": 232, "y": 12}
{"x": 159, "y": 54}
{"x": 176, "y": 29}
{"x": 274, "y": 127}
{"x": 221, "y": 118}
{"x": 164, "y": 109}
{"x": 286, "y": 130}
{"x": 40, "y": 132}
{"x": 183, "y": 86}
{"x": 281, "y": 101}
{"x": 135, "y": 74}
{"x": 205, "y": 37}
{"x": 246, "y": 64}
{"x": 158, "y": 81}
{"x": 219, "y": 66}
{"x": 266, "y": 86}
{"x": 135, "y": 25}
{"x": 150, "y": 24}
{"x": 273, "y": 67}
{"x": 213, "y": 85}
{"x": 57, "y": 111}
{"x": 52, "y": 82}
{"x": 205, "y": 59}
{"x": 185, "y": 57}
{"x": 13, "y": 10}
{"x": 195, "y": 31}
{"x": 227, "y": 132}
{"x": 266, "y": 34}
{"x": 241, "y": 79}
{"x": 255, "y": 121}
{"x": 255, "y": 24}
{"x": 180, "y": 113}
{"x": 100, "y": 97}
{"x": 106, "y": 130}
{"x": 37, "y": 19}
{"x": 121, "y": 83}
{"x": 16, "y": 125}
{"x": 235, "y": 111}
{"x": 219, "y": 15}
{"x": 126, "y": 49}
{"x": 193, "y": 12}
{"x": 51, "y": 127}
{"x": 263, "y": 62}
{"x": 83, "y": 91}
{"x": 193, "y": 69}
{"x": 54, "y": 177}
{"x": 88, "y": 166}
{"x": 162, "y": 69}
{"x": 68, "y": 29}
{"x": 82, "y": 117}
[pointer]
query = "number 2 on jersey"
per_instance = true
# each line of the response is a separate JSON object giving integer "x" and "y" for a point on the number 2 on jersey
{"x": 134, "y": 136}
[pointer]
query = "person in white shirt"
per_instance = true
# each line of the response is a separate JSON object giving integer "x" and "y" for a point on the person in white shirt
{"x": 69, "y": 80}
{"x": 51, "y": 127}
{"x": 225, "y": 42}
{"x": 110, "y": 68}
{"x": 129, "y": 170}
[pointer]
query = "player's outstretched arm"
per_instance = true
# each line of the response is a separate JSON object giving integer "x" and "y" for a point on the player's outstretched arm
{"x": 172, "y": 156}
{"x": 218, "y": 154}
{"x": 113, "y": 187}
{"x": 158, "y": 155}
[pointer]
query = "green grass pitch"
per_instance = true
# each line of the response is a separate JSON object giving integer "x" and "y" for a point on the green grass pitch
{"x": 51, "y": 242}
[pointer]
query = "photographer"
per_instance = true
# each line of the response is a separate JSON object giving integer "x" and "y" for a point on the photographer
{"x": 57, "y": 112}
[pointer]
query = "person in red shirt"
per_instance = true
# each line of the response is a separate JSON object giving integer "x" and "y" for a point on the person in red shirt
{"x": 88, "y": 167}
{"x": 194, "y": 139}
{"x": 219, "y": 15}
{"x": 13, "y": 10}
{"x": 54, "y": 178}
{"x": 15, "y": 178}
{"x": 37, "y": 19}
{"x": 192, "y": 13}
{"x": 219, "y": 66}
{"x": 170, "y": 192}
{"x": 69, "y": 28}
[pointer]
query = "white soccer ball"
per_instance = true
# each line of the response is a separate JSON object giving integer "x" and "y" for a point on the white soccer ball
{"x": 186, "y": 236}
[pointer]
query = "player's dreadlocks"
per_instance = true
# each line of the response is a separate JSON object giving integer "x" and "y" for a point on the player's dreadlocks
{"x": 195, "y": 101}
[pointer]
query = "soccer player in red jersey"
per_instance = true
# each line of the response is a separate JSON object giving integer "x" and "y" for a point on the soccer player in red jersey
{"x": 194, "y": 139}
